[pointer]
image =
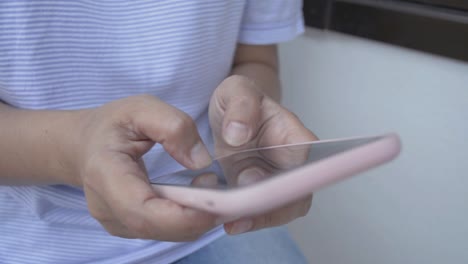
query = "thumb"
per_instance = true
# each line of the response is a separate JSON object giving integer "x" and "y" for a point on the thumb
{"x": 242, "y": 110}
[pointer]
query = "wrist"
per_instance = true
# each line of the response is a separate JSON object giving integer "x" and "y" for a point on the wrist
{"x": 67, "y": 148}
{"x": 39, "y": 147}
{"x": 260, "y": 64}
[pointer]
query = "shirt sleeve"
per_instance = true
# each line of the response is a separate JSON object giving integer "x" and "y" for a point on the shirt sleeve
{"x": 271, "y": 21}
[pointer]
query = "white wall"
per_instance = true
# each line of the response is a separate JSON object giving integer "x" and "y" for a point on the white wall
{"x": 414, "y": 210}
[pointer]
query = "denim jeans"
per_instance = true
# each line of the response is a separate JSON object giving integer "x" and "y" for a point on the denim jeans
{"x": 272, "y": 246}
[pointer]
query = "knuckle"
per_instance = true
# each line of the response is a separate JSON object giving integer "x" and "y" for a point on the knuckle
{"x": 292, "y": 116}
{"x": 129, "y": 107}
{"x": 179, "y": 124}
{"x": 291, "y": 119}
{"x": 240, "y": 83}
{"x": 306, "y": 206}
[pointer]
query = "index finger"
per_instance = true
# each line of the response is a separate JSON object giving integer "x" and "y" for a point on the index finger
{"x": 153, "y": 119}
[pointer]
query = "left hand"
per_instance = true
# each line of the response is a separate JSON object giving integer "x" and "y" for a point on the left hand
{"x": 242, "y": 117}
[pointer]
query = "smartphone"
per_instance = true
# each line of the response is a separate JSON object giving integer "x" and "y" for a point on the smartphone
{"x": 255, "y": 181}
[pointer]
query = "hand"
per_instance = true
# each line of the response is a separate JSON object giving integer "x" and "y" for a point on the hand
{"x": 242, "y": 117}
{"x": 110, "y": 168}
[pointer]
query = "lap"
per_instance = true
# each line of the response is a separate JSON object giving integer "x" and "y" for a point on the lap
{"x": 273, "y": 245}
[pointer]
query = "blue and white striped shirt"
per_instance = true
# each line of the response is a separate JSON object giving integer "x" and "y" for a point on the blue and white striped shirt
{"x": 80, "y": 54}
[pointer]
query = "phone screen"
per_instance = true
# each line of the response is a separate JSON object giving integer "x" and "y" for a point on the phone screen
{"x": 252, "y": 166}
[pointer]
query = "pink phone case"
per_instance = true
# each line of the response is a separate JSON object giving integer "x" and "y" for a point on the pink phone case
{"x": 287, "y": 187}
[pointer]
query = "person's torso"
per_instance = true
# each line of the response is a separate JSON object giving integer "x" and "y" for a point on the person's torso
{"x": 81, "y": 54}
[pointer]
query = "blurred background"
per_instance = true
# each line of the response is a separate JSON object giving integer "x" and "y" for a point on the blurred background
{"x": 352, "y": 82}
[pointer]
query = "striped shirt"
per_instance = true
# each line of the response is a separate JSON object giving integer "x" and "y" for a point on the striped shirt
{"x": 82, "y": 53}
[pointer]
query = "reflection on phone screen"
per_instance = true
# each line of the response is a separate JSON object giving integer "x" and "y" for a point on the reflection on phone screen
{"x": 256, "y": 165}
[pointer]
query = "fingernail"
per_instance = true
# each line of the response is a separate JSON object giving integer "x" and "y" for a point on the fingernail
{"x": 241, "y": 227}
{"x": 250, "y": 176}
{"x": 200, "y": 156}
{"x": 236, "y": 134}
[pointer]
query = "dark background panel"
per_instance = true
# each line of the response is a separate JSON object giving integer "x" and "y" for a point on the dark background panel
{"x": 418, "y": 24}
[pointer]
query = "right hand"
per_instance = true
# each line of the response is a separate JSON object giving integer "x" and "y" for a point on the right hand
{"x": 109, "y": 167}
